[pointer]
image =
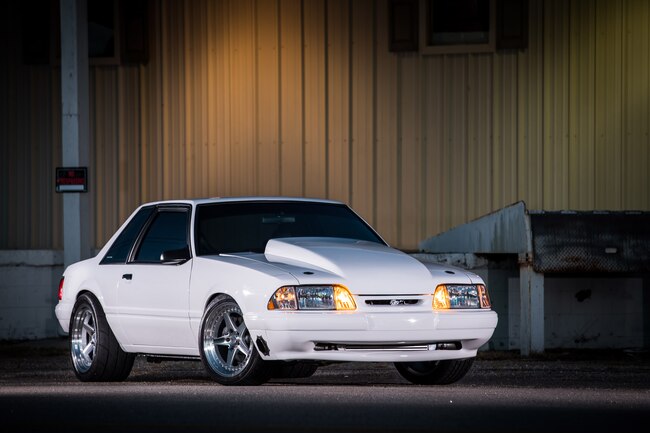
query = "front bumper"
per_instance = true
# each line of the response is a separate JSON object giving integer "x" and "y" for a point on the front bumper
{"x": 365, "y": 336}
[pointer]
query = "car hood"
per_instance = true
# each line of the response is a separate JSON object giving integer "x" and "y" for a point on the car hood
{"x": 367, "y": 268}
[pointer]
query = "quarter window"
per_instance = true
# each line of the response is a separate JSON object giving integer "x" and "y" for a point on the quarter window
{"x": 119, "y": 251}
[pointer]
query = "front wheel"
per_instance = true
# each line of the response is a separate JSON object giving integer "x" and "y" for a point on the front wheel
{"x": 434, "y": 372}
{"x": 227, "y": 348}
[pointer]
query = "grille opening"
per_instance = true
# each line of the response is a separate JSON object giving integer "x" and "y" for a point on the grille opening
{"x": 450, "y": 345}
{"x": 393, "y": 302}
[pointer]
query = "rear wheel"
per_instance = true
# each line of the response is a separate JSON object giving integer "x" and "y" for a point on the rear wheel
{"x": 434, "y": 372}
{"x": 95, "y": 353}
{"x": 226, "y": 346}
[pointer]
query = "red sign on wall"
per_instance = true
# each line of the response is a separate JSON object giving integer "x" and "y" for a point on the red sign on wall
{"x": 71, "y": 179}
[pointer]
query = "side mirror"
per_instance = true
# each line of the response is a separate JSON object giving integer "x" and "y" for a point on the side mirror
{"x": 176, "y": 257}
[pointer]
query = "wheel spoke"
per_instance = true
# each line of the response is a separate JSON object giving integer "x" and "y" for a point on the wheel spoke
{"x": 229, "y": 322}
{"x": 89, "y": 329}
{"x": 243, "y": 348}
{"x": 89, "y": 348}
{"x": 231, "y": 357}
{"x": 221, "y": 341}
{"x": 241, "y": 329}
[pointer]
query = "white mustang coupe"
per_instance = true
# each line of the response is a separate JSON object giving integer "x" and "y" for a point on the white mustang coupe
{"x": 267, "y": 287}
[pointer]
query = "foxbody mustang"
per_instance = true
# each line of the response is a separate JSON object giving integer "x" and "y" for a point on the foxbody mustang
{"x": 267, "y": 287}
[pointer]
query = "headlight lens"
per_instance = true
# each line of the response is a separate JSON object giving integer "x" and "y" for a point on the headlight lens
{"x": 454, "y": 296}
{"x": 334, "y": 297}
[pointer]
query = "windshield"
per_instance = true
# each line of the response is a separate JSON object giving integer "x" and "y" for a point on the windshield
{"x": 246, "y": 227}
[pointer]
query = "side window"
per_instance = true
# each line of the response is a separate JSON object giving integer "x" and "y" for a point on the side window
{"x": 168, "y": 231}
{"x": 119, "y": 251}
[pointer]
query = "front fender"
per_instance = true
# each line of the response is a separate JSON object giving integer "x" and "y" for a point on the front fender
{"x": 248, "y": 283}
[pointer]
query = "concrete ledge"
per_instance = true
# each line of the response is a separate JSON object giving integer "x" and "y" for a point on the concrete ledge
{"x": 28, "y": 293}
{"x": 461, "y": 260}
{"x": 31, "y": 258}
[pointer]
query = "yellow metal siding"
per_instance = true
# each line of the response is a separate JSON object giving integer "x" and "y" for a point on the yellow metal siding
{"x": 303, "y": 98}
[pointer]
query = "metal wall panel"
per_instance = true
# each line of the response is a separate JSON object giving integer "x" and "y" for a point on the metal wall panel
{"x": 386, "y": 212}
{"x": 338, "y": 99}
{"x": 314, "y": 99}
{"x": 301, "y": 97}
{"x": 608, "y": 94}
{"x": 582, "y": 76}
{"x": 635, "y": 97}
{"x": 30, "y": 137}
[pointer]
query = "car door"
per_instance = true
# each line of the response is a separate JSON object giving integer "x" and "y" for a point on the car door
{"x": 153, "y": 291}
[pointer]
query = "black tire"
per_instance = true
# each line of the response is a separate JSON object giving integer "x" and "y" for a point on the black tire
{"x": 94, "y": 351}
{"x": 227, "y": 349}
{"x": 294, "y": 369}
{"x": 434, "y": 372}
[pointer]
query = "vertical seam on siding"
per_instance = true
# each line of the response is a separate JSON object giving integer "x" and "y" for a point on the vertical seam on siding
{"x": 302, "y": 99}
{"x": 350, "y": 103}
{"x": 327, "y": 101}
{"x": 279, "y": 54}
{"x": 256, "y": 97}
{"x": 623, "y": 116}
{"x": 399, "y": 150}
{"x": 374, "y": 114}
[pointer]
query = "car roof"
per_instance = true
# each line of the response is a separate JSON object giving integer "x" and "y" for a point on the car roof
{"x": 251, "y": 199}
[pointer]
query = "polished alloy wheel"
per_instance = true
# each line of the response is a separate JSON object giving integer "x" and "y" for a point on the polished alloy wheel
{"x": 83, "y": 338}
{"x": 227, "y": 344}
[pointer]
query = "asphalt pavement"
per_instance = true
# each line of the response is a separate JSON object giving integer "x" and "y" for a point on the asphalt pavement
{"x": 575, "y": 391}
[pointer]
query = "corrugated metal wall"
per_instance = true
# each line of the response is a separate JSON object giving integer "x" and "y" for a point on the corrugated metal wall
{"x": 30, "y": 143}
{"x": 302, "y": 98}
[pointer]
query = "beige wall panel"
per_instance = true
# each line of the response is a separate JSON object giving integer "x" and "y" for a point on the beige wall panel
{"x": 315, "y": 103}
{"x": 504, "y": 126}
{"x": 194, "y": 39}
{"x": 434, "y": 177}
{"x": 203, "y": 28}
{"x": 479, "y": 135}
{"x": 636, "y": 97}
{"x": 105, "y": 136}
{"x": 291, "y": 98}
{"x": 224, "y": 96}
{"x": 410, "y": 152}
{"x": 128, "y": 171}
{"x": 55, "y": 215}
{"x": 556, "y": 68}
{"x": 16, "y": 102}
{"x": 338, "y": 97}
{"x": 582, "y": 104}
{"x": 189, "y": 95}
{"x": 530, "y": 121}
{"x": 362, "y": 105}
{"x": 173, "y": 101}
{"x": 243, "y": 174}
{"x": 213, "y": 122}
{"x": 151, "y": 113}
{"x": 41, "y": 189}
{"x": 455, "y": 139}
{"x": 609, "y": 116}
{"x": 5, "y": 136}
{"x": 268, "y": 98}
{"x": 386, "y": 127}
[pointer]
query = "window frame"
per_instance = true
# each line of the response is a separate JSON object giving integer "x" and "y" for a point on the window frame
{"x": 145, "y": 229}
{"x": 152, "y": 211}
{"x": 427, "y": 49}
{"x": 379, "y": 241}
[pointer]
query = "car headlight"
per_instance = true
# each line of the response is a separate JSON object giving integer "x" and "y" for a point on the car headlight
{"x": 334, "y": 297}
{"x": 457, "y": 296}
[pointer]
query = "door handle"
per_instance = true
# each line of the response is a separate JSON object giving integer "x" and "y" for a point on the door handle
{"x": 127, "y": 277}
